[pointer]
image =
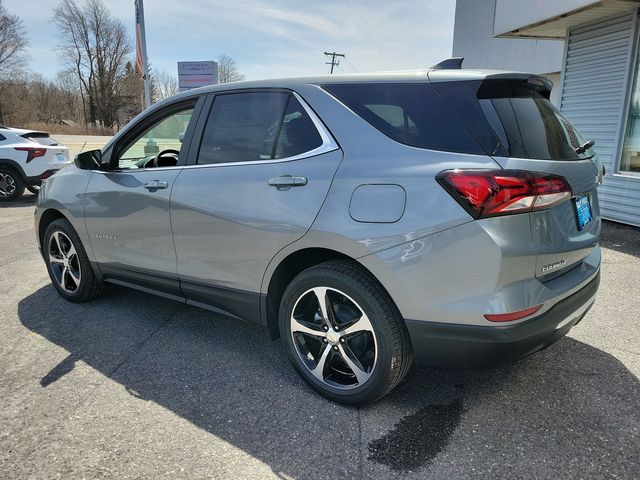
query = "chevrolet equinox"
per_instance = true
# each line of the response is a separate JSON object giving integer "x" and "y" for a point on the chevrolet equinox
{"x": 443, "y": 217}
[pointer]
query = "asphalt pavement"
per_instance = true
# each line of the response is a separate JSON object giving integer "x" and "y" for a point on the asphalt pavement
{"x": 136, "y": 386}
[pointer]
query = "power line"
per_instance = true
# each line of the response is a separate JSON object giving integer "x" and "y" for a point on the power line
{"x": 352, "y": 66}
{"x": 334, "y": 62}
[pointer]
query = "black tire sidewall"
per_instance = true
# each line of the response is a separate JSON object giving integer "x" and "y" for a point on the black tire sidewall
{"x": 19, "y": 183}
{"x": 377, "y": 384}
{"x": 86, "y": 271}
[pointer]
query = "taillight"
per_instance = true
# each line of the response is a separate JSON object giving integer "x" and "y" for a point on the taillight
{"x": 32, "y": 152}
{"x": 488, "y": 193}
{"x": 47, "y": 174}
{"x": 511, "y": 316}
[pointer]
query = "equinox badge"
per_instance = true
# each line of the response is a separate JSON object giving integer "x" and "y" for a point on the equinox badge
{"x": 553, "y": 266}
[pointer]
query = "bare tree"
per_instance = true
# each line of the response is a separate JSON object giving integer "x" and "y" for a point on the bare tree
{"x": 132, "y": 94}
{"x": 70, "y": 91}
{"x": 165, "y": 84}
{"x": 228, "y": 70}
{"x": 34, "y": 99}
{"x": 96, "y": 47}
{"x": 44, "y": 97}
{"x": 13, "y": 42}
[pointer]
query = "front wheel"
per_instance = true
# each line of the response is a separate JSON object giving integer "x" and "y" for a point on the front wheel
{"x": 67, "y": 263}
{"x": 343, "y": 333}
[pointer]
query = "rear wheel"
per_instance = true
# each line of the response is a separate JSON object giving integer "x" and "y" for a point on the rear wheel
{"x": 11, "y": 184}
{"x": 343, "y": 333}
{"x": 67, "y": 263}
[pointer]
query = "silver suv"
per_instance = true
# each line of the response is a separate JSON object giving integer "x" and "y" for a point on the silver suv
{"x": 442, "y": 217}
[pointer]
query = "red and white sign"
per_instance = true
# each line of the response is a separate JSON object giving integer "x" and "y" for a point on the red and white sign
{"x": 196, "y": 74}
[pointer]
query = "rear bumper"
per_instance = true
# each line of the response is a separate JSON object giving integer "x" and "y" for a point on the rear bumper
{"x": 37, "y": 180}
{"x": 474, "y": 346}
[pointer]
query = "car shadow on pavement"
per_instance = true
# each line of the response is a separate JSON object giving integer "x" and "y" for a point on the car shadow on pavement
{"x": 572, "y": 410}
{"x": 24, "y": 201}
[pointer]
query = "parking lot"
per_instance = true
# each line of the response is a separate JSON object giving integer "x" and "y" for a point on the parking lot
{"x": 136, "y": 386}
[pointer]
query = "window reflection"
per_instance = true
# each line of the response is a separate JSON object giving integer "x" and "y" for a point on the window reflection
{"x": 630, "y": 160}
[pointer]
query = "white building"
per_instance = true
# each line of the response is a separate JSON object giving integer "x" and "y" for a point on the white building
{"x": 590, "y": 51}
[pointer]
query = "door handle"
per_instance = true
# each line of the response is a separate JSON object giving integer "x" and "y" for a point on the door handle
{"x": 155, "y": 185}
{"x": 285, "y": 182}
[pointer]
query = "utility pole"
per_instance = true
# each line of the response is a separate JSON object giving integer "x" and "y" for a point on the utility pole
{"x": 151, "y": 148}
{"x": 143, "y": 50}
{"x": 333, "y": 61}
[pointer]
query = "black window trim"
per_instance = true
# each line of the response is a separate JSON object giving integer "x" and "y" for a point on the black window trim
{"x": 329, "y": 144}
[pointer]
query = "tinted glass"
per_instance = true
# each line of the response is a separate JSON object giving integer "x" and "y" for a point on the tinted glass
{"x": 2, "y": 137}
{"x": 510, "y": 119}
{"x": 297, "y": 134}
{"x": 41, "y": 139}
{"x": 242, "y": 127}
{"x": 409, "y": 113}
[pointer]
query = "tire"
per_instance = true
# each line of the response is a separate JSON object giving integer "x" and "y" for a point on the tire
{"x": 369, "y": 352}
{"x": 35, "y": 189}
{"x": 11, "y": 184}
{"x": 69, "y": 268}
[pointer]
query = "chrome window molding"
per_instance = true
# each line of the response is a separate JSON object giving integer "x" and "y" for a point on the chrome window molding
{"x": 328, "y": 142}
{"x": 328, "y": 145}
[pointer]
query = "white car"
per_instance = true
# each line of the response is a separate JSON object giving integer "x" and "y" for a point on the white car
{"x": 26, "y": 158}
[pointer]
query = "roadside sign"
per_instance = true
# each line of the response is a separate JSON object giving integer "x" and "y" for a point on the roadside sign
{"x": 196, "y": 74}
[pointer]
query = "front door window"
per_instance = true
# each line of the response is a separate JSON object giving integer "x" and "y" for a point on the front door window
{"x": 159, "y": 145}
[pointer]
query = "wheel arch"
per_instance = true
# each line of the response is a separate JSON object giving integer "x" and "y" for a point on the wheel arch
{"x": 290, "y": 266}
{"x": 48, "y": 216}
{"x": 14, "y": 165}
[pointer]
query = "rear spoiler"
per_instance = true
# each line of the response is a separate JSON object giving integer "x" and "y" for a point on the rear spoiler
{"x": 538, "y": 83}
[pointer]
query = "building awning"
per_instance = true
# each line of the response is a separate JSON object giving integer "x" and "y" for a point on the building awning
{"x": 552, "y": 18}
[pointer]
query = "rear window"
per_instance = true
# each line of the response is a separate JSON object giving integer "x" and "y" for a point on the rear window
{"x": 41, "y": 138}
{"x": 511, "y": 119}
{"x": 409, "y": 113}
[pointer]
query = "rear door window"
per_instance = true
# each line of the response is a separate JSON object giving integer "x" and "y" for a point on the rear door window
{"x": 297, "y": 134}
{"x": 257, "y": 126}
{"x": 410, "y": 113}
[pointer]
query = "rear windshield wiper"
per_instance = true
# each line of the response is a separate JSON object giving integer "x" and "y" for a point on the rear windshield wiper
{"x": 585, "y": 146}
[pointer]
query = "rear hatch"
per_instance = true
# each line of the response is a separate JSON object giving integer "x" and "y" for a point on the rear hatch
{"x": 55, "y": 151}
{"x": 511, "y": 116}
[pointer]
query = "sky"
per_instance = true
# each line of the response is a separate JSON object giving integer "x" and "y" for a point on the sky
{"x": 268, "y": 39}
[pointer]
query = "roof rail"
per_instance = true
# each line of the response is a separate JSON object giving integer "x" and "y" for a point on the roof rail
{"x": 454, "y": 63}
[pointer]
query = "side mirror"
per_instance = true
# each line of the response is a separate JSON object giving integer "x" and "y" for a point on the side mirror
{"x": 90, "y": 160}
